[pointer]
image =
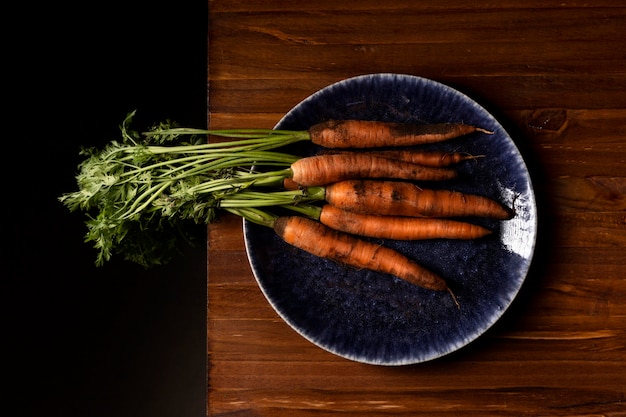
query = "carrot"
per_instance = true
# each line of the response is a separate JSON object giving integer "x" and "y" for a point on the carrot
{"x": 407, "y": 199}
{"x": 290, "y": 184}
{"x": 369, "y": 134}
{"x": 398, "y": 227}
{"x": 319, "y": 240}
{"x": 326, "y": 169}
{"x": 425, "y": 158}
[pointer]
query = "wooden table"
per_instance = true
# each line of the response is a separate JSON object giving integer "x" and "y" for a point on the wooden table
{"x": 554, "y": 74}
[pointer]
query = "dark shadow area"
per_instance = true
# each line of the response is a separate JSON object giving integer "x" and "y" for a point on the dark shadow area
{"x": 117, "y": 340}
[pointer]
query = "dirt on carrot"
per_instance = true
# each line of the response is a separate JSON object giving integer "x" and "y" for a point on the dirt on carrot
{"x": 425, "y": 158}
{"x": 398, "y": 227}
{"x": 400, "y": 198}
{"x": 319, "y": 240}
{"x": 370, "y": 134}
{"x": 329, "y": 168}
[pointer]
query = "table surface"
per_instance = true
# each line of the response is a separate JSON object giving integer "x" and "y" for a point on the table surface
{"x": 554, "y": 75}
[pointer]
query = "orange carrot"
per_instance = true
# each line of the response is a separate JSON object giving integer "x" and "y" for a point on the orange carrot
{"x": 290, "y": 184}
{"x": 369, "y": 134}
{"x": 407, "y": 199}
{"x": 398, "y": 227}
{"x": 425, "y": 158}
{"x": 326, "y": 169}
{"x": 319, "y": 240}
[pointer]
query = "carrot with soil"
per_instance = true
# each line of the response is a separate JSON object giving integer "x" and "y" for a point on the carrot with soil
{"x": 389, "y": 227}
{"x": 407, "y": 199}
{"x": 369, "y": 134}
{"x": 326, "y": 169}
{"x": 398, "y": 227}
{"x": 378, "y": 197}
{"x": 424, "y": 158}
{"x": 341, "y": 134}
{"x": 319, "y": 240}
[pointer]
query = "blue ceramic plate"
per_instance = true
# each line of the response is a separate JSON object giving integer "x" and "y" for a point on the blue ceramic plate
{"x": 379, "y": 319}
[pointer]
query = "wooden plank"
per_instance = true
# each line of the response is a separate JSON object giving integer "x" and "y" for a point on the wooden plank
{"x": 409, "y": 26}
{"x": 280, "y": 6}
{"x": 445, "y": 58}
{"x": 219, "y": 120}
{"x": 510, "y": 388}
{"x": 226, "y": 233}
{"x": 264, "y": 339}
{"x": 494, "y": 92}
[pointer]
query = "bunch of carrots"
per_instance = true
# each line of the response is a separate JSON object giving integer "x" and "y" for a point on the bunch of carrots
{"x": 363, "y": 184}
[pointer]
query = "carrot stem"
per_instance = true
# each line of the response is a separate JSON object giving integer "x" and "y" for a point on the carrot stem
{"x": 254, "y": 215}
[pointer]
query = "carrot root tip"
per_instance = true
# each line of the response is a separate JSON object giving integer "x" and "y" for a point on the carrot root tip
{"x": 456, "y": 302}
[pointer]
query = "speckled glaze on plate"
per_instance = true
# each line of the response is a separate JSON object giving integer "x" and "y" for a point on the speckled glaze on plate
{"x": 378, "y": 319}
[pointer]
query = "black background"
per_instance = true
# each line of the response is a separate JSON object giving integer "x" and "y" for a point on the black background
{"x": 84, "y": 341}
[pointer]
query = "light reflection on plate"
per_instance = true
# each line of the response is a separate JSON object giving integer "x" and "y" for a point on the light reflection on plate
{"x": 378, "y": 319}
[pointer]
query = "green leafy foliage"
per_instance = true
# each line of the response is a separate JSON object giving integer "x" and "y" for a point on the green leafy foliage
{"x": 145, "y": 195}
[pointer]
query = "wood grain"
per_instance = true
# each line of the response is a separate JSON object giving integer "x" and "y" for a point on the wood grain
{"x": 554, "y": 74}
